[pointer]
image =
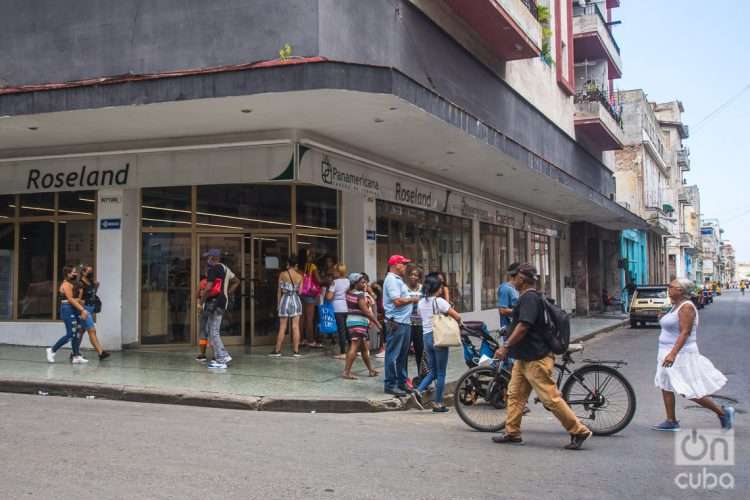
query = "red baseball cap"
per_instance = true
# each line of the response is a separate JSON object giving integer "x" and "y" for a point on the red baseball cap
{"x": 397, "y": 259}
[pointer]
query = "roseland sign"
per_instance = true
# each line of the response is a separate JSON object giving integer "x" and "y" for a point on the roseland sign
{"x": 68, "y": 174}
{"x": 86, "y": 178}
{"x": 227, "y": 165}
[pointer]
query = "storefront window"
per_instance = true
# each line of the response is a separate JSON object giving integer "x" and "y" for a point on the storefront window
{"x": 494, "y": 252}
{"x": 520, "y": 246}
{"x": 244, "y": 206}
{"x": 540, "y": 258}
{"x": 37, "y": 204}
{"x": 436, "y": 242}
{"x": 165, "y": 288}
{"x": 322, "y": 250}
{"x": 166, "y": 207}
{"x": 36, "y": 270}
{"x": 7, "y": 243}
{"x": 76, "y": 243}
{"x": 77, "y": 203}
{"x": 317, "y": 207}
{"x": 7, "y": 206}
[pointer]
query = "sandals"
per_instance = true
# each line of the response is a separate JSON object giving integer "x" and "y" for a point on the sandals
{"x": 374, "y": 373}
{"x": 349, "y": 376}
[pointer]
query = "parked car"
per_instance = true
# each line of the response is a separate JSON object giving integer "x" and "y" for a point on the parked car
{"x": 648, "y": 303}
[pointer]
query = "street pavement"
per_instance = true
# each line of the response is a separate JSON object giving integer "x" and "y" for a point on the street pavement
{"x": 64, "y": 448}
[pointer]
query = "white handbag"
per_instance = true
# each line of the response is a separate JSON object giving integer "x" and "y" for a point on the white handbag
{"x": 445, "y": 330}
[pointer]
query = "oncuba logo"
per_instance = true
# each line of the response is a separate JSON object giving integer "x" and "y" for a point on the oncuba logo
{"x": 84, "y": 177}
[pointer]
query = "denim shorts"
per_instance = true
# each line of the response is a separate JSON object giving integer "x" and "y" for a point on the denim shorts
{"x": 88, "y": 323}
{"x": 306, "y": 299}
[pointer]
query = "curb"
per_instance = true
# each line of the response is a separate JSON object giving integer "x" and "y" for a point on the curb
{"x": 137, "y": 394}
{"x": 606, "y": 329}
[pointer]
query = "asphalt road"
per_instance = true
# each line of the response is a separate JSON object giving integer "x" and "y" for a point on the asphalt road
{"x": 61, "y": 448}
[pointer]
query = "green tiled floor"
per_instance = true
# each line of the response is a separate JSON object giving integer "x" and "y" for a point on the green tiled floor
{"x": 316, "y": 375}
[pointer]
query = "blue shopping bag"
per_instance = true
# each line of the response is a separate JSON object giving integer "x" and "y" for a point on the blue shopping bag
{"x": 326, "y": 319}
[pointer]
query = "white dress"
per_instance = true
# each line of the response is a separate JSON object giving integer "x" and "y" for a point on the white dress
{"x": 692, "y": 375}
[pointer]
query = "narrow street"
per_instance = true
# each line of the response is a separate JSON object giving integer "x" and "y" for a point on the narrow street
{"x": 91, "y": 449}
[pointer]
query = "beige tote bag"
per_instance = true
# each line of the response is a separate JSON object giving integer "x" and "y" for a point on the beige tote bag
{"x": 445, "y": 330}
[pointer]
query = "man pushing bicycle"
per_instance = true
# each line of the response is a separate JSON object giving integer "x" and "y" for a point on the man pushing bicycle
{"x": 534, "y": 365}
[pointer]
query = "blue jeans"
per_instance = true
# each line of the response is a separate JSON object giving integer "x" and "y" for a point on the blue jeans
{"x": 72, "y": 319}
{"x": 437, "y": 357}
{"x": 397, "y": 339}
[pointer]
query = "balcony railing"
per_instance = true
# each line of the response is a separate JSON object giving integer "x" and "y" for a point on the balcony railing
{"x": 591, "y": 93}
{"x": 593, "y": 9}
{"x": 531, "y": 5}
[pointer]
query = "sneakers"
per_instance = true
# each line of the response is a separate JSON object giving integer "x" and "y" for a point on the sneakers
{"x": 507, "y": 439}
{"x": 216, "y": 364}
{"x": 576, "y": 440}
{"x": 104, "y": 355}
{"x": 727, "y": 420}
{"x": 668, "y": 426}
{"x": 396, "y": 392}
{"x": 50, "y": 355}
{"x": 276, "y": 354}
{"x": 441, "y": 409}
{"x": 201, "y": 358}
{"x": 227, "y": 360}
{"x": 380, "y": 355}
{"x": 296, "y": 355}
{"x": 417, "y": 396}
{"x": 79, "y": 360}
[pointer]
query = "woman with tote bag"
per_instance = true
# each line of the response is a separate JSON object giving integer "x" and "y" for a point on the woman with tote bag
{"x": 431, "y": 307}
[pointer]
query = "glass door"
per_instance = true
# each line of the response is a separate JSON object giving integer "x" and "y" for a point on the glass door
{"x": 165, "y": 288}
{"x": 232, "y": 256}
{"x": 265, "y": 258}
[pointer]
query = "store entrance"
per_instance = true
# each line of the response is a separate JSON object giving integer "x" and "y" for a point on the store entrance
{"x": 232, "y": 256}
{"x": 257, "y": 260}
{"x": 265, "y": 257}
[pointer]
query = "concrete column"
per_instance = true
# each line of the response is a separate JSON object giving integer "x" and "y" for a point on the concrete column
{"x": 358, "y": 227}
{"x": 116, "y": 267}
{"x": 579, "y": 266}
{"x": 476, "y": 264}
{"x": 567, "y": 299}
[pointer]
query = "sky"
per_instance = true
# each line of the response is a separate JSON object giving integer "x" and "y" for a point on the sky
{"x": 698, "y": 52}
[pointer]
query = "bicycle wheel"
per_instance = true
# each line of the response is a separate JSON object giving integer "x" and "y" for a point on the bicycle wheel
{"x": 601, "y": 397}
{"x": 479, "y": 398}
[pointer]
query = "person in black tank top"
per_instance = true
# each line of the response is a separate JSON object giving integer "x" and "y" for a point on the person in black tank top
{"x": 71, "y": 313}
{"x": 87, "y": 294}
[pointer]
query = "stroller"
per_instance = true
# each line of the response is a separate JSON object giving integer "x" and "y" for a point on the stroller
{"x": 476, "y": 332}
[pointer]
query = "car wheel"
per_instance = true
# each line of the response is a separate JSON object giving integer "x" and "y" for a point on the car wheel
{"x": 633, "y": 323}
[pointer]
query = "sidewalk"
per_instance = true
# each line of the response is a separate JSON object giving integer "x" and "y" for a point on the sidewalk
{"x": 254, "y": 381}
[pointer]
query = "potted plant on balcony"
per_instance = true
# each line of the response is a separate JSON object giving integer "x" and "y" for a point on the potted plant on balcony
{"x": 543, "y": 16}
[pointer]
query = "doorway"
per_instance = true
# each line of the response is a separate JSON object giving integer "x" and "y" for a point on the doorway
{"x": 265, "y": 257}
{"x": 232, "y": 256}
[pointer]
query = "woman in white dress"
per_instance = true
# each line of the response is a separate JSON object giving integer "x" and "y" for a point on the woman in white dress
{"x": 681, "y": 368}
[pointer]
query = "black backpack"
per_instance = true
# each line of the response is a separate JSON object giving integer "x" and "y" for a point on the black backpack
{"x": 558, "y": 326}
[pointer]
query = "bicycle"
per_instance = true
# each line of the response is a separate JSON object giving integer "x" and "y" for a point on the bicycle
{"x": 599, "y": 395}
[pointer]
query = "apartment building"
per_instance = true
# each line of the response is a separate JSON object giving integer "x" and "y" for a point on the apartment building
{"x": 444, "y": 130}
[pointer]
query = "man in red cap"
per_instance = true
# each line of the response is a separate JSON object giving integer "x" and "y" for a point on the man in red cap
{"x": 398, "y": 304}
